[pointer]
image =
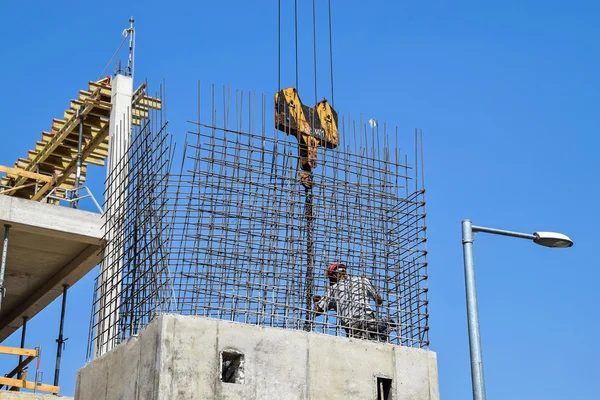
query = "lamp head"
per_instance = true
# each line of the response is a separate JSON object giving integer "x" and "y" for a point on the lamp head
{"x": 552, "y": 239}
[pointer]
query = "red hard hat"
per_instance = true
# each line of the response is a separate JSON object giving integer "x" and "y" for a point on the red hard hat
{"x": 333, "y": 267}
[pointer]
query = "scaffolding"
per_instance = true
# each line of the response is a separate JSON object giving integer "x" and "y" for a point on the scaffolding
{"x": 227, "y": 230}
{"x": 55, "y": 169}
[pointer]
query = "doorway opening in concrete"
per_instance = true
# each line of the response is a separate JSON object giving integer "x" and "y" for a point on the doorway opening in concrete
{"x": 232, "y": 367}
{"x": 384, "y": 388}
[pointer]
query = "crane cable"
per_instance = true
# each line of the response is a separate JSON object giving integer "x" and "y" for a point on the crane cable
{"x": 296, "y": 36}
{"x": 278, "y": 46}
{"x": 309, "y": 212}
{"x": 314, "y": 47}
{"x": 314, "y": 15}
{"x": 330, "y": 52}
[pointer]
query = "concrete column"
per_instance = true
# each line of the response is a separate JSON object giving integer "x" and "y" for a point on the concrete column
{"x": 114, "y": 214}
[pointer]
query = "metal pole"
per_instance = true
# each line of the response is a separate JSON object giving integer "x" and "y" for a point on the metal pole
{"x": 37, "y": 369}
{"x": 130, "y": 62}
{"x": 60, "y": 340}
{"x": 23, "y": 332}
{"x": 78, "y": 171}
{"x": 502, "y": 232}
{"x": 472, "y": 314}
{"x": 3, "y": 265}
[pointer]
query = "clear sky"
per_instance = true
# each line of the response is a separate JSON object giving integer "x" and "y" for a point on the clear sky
{"x": 506, "y": 93}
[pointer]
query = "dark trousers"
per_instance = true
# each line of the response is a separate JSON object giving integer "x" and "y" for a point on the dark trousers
{"x": 369, "y": 327}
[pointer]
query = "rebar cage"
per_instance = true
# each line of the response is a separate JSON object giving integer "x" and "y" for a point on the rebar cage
{"x": 234, "y": 235}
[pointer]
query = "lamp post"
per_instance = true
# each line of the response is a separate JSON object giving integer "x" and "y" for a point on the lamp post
{"x": 547, "y": 239}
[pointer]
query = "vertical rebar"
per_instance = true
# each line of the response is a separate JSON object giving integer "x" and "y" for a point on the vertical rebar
{"x": 246, "y": 242}
{"x": 310, "y": 257}
{"x": 60, "y": 341}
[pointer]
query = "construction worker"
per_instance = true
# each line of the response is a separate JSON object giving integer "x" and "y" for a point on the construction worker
{"x": 350, "y": 297}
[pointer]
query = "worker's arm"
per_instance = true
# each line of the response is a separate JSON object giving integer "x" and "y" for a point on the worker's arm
{"x": 318, "y": 307}
{"x": 372, "y": 292}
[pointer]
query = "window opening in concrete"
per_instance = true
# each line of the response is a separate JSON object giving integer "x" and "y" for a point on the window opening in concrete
{"x": 232, "y": 367}
{"x": 384, "y": 388}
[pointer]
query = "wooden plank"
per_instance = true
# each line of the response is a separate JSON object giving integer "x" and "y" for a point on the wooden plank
{"x": 85, "y": 94}
{"x": 14, "y": 189}
{"x": 98, "y": 161}
{"x": 27, "y": 174}
{"x": 69, "y": 114}
{"x": 48, "y": 167}
{"x": 75, "y": 104}
{"x": 99, "y": 113}
{"x": 29, "y": 385}
{"x": 59, "y": 136}
{"x": 85, "y": 152}
{"x": 57, "y": 124}
{"x": 17, "y": 351}
{"x": 140, "y": 113}
{"x": 56, "y": 160}
{"x": 91, "y": 121}
{"x": 19, "y": 368}
{"x": 56, "y": 151}
{"x": 105, "y": 89}
{"x": 151, "y": 102}
{"x": 138, "y": 93}
{"x": 22, "y": 377}
{"x": 42, "y": 191}
{"x": 104, "y": 105}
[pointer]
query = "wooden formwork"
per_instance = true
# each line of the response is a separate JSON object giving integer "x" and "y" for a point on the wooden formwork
{"x": 53, "y": 160}
{"x": 21, "y": 372}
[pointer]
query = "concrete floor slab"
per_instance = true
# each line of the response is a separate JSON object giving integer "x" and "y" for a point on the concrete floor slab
{"x": 48, "y": 246}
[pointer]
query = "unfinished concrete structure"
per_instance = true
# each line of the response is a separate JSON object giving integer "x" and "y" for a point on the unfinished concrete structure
{"x": 208, "y": 272}
{"x": 193, "y": 357}
{"x": 211, "y": 267}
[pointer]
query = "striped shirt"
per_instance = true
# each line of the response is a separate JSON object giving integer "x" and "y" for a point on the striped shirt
{"x": 350, "y": 298}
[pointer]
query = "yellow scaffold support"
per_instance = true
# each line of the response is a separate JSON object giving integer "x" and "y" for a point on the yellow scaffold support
{"x": 53, "y": 161}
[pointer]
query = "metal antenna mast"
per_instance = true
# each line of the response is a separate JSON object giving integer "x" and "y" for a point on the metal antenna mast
{"x": 131, "y": 33}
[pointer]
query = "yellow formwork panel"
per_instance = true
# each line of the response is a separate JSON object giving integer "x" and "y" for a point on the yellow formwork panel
{"x": 57, "y": 151}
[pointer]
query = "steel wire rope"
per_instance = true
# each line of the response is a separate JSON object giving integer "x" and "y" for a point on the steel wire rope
{"x": 278, "y": 46}
{"x": 296, "y": 39}
{"x": 314, "y": 15}
{"x": 113, "y": 57}
{"x": 331, "y": 52}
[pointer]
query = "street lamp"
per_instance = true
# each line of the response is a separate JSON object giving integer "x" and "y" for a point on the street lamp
{"x": 547, "y": 239}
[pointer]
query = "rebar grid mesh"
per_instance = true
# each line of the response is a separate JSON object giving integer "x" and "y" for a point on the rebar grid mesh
{"x": 235, "y": 236}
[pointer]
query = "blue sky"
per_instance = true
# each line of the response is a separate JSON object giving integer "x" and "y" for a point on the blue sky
{"x": 505, "y": 92}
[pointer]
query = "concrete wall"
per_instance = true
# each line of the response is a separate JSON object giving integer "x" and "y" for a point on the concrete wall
{"x": 178, "y": 357}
